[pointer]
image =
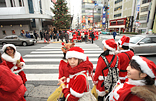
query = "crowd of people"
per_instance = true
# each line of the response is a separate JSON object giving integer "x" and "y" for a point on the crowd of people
{"x": 119, "y": 74}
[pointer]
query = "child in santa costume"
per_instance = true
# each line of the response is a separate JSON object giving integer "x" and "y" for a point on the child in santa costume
{"x": 14, "y": 60}
{"x": 109, "y": 47}
{"x": 140, "y": 86}
{"x": 125, "y": 55}
{"x": 74, "y": 79}
{"x": 11, "y": 85}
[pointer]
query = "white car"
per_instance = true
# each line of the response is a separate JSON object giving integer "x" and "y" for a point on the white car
{"x": 143, "y": 44}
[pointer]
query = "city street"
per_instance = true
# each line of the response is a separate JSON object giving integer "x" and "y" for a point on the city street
{"x": 42, "y": 63}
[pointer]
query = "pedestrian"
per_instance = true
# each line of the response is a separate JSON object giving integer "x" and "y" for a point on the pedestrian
{"x": 11, "y": 85}
{"x": 61, "y": 36}
{"x": 57, "y": 35}
{"x": 66, "y": 47}
{"x": 102, "y": 70}
{"x": 35, "y": 34}
{"x": 141, "y": 73}
{"x": 14, "y": 60}
{"x": 74, "y": 37}
{"x": 66, "y": 37}
{"x": 92, "y": 36}
{"x": 125, "y": 56}
{"x": 70, "y": 36}
{"x": 41, "y": 34}
{"x": 54, "y": 36}
{"x": 27, "y": 35}
{"x": 114, "y": 34}
{"x": 47, "y": 36}
{"x": 76, "y": 68}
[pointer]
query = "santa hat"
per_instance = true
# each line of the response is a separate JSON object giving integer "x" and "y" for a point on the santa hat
{"x": 8, "y": 45}
{"x": 146, "y": 65}
{"x": 76, "y": 52}
{"x": 124, "y": 41}
{"x": 110, "y": 44}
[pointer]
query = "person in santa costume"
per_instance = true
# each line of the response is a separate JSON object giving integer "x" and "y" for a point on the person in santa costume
{"x": 109, "y": 48}
{"x": 14, "y": 60}
{"x": 141, "y": 74}
{"x": 74, "y": 82}
{"x": 125, "y": 55}
{"x": 11, "y": 85}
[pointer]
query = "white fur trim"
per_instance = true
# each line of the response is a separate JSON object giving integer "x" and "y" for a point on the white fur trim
{"x": 144, "y": 67}
{"x": 100, "y": 93}
{"x": 125, "y": 44}
{"x": 108, "y": 47}
{"x": 76, "y": 54}
{"x": 8, "y": 58}
{"x": 76, "y": 94}
{"x": 119, "y": 41}
{"x": 7, "y": 45}
{"x": 123, "y": 78}
{"x": 115, "y": 94}
{"x": 124, "y": 50}
{"x": 136, "y": 82}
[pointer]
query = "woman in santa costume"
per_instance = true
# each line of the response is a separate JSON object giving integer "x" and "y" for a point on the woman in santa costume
{"x": 11, "y": 85}
{"x": 125, "y": 55}
{"x": 140, "y": 86}
{"x": 109, "y": 48}
{"x": 74, "y": 82}
{"x": 14, "y": 60}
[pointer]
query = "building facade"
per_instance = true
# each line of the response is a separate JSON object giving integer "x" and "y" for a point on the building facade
{"x": 18, "y": 16}
{"x": 121, "y": 15}
{"x": 91, "y": 13}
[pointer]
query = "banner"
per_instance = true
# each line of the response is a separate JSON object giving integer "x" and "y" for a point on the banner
{"x": 104, "y": 16}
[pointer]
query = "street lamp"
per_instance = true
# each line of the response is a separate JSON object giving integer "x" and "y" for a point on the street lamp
{"x": 93, "y": 13}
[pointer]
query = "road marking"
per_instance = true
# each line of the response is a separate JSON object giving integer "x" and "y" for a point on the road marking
{"x": 39, "y": 52}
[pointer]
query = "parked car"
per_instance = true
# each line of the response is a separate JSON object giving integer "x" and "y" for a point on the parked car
{"x": 17, "y": 40}
{"x": 107, "y": 33}
{"x": 143, "y": 44}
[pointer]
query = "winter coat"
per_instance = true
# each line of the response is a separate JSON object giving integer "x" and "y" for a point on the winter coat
{"x": 11, "y": 85}
{"x": 76, "y": 82}
{"x": 132, "y": 90}
{"x": 98, "y": 77}
{"x": 124, "y": 62}
{"x": 12, "y": 64}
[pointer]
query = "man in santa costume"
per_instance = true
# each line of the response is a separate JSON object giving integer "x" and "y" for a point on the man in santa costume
{"x": 125, "y": 56}
{"x": 74, "y": 83}
{"x": 141, "y": 74}
{"x": 14, "y": 60}
{"x": 109, "y": 48}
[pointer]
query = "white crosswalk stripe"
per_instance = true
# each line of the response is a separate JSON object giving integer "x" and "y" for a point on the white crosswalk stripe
{"x": 47, "y": 59}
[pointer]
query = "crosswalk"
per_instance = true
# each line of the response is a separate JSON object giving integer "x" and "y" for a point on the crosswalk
{"x": 42, "y": 64}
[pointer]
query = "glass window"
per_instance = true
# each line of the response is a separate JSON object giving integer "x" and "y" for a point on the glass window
{"x": 153, "y": 39}
{"x": 134, "y": 39}
{"x": 146, "y": 40}
{"x": 4, "y": 32}
{"x": 2, "y": 3}
{"x": 31, "y": 8}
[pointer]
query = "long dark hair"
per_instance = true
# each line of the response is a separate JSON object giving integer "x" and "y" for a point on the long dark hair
{"x": 11, "y": 48}
{"x": 0, "y": 58}
{"x": 148, "y": 79}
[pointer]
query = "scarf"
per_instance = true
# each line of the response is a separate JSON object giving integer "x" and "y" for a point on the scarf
{"x": 83, "y": 66}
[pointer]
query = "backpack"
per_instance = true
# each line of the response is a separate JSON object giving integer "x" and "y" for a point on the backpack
{"x": 113, "y": 75}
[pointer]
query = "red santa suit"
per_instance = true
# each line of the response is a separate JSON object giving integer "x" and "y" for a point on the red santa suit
{"x": 96, "y": 35}
{"x": 74, "y": 37}
{"x": 79, "y": 36}
{"x": 98, "y": 77}
{"x": 124, "y": 62}
{"x": 125, "y": 57}
{"x": 133, "y": 90}
{"x": 76, "y": 82}
{"x": 11, "y": 85}
{"x": 12, "y": 62}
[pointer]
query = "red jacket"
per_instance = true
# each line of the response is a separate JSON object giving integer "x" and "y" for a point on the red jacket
{"x": 98, "y": 77}
{"x": 11, "y": 85}
{"x": 124, "y": 62}
{"x": 11, "y": 62}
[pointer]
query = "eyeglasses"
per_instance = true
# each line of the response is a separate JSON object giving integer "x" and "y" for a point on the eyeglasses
{"x": 9, "y": 49}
